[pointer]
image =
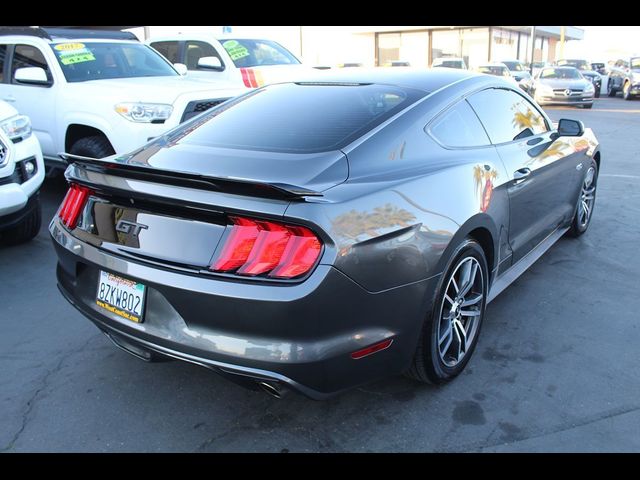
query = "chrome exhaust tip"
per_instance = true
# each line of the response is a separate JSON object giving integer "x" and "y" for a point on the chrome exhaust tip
{"x": 273, "y": 389}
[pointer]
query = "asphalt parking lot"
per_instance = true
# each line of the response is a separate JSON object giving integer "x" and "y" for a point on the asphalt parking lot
{"x": 556, "y": 368}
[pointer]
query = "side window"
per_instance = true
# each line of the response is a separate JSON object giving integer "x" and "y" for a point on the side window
{"x": 28, "y": 56}
{"x": 459, "y": 127}
{"x": 169, "y": 50}
{"x": 506, "y": 115}
{"x": 196, "y": 50}
{"x": 3, "y": 55}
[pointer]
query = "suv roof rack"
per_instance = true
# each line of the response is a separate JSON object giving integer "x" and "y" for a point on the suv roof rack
{"x": 51, "y": 33}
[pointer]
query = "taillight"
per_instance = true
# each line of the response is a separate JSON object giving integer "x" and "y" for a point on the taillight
{"x": 256, "y": 247}
{"x": 73, "y": 204}
{"x": 251, "y": 78}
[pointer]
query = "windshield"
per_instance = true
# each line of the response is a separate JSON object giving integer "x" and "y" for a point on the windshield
{"x": 561, "y": 73}
{"x": 514, "y": 66}
{"x": 635, "y": 62}
{"x": 494, "y": 70}
{"x": 85, "y": 61}
{"x": 579, "y": 64}
{"x": 298, "y": 117}
{"x": 256, "y": 53}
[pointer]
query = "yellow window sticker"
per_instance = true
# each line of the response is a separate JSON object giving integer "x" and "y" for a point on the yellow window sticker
{"x": 69, "y": 46}
{"x": 70, "y": 53}
{"x": 235, "y": 49}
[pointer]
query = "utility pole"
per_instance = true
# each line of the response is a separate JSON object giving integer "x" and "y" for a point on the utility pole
{"x": 147, "y": 34}
{"x": 533, "y": 48}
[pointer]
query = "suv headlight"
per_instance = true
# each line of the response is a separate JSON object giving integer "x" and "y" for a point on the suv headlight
{"x": 144, "y": 112}
{"x": 544, "y": 90}
{"x": 16, "y": 127}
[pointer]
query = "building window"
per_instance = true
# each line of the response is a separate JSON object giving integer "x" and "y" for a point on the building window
{"x": 505, "y": 44}
{"x": 410, "y": 48}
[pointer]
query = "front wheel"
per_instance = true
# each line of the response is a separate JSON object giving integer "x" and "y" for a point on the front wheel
{"x": 626, "y": 91}
{"x": 588, "y": 105}
{"x": 450, "y": 333}
{"x": 27, "y": 229}
{"x": 610, "y": 90}
{"x": 586, "y": 202}
{"x": 96, "y": 146}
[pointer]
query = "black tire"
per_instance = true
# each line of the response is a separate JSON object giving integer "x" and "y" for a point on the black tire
{"x": 610, "y": 90}
{"x": 590, "y": 105}
{"x": 578, "y": 226}
{"x": 596, "y": 94}
{"x": 27, "y": 229}
{"x": 427, "y": 365}
{"x": 96, "y": 146}
{"x": 626, "y": 91}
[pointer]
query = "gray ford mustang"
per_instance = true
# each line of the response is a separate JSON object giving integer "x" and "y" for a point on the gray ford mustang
{"x": 316, "y": 236}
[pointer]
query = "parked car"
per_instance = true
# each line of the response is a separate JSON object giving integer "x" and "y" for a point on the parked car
{"x": 96, "y": 93}
{"x": 244, "y": 62}
{"x": 599, "y": 67}
{"x": 496, "y": 68}
{"x": 450, "y": 62}
{"x": 400, "y": 63}
{"x": 21, "y": 175}
{"x": 562, "y": 86}
{"x": 586, "y": 71}
{"x": 625, "y": 79}
{"x": 324, "y": 234}
{"x": 537, "y": 66}
{"x": 520, "y": 72}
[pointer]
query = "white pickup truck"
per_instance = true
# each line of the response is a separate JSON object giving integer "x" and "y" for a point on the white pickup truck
{"x": 97, "y": 93}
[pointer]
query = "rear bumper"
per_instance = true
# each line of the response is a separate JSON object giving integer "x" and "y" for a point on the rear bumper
{"x": 298, "y": 335}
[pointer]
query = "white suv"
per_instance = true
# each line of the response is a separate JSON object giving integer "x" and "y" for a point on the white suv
{"x": 21, "y": 175}
{"x": 246, "y": 62}
{"x": 97, "y": 93}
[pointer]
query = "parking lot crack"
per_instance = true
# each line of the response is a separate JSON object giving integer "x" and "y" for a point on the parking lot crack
{"x": 44, "y": 384}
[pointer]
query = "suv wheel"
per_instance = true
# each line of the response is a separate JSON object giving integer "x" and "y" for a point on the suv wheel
{"x": 626, "y": 91}
{"x": 586, "y": 202}
{"x": 25, "y": 230}
{"x": 96, "y": 146}
{"x": 450, "y": 333}
{"x": 610, "y": 90}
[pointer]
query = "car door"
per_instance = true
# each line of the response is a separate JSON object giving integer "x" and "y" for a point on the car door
{"x": 542, "y": 167}
{"x": 35, "y": 101}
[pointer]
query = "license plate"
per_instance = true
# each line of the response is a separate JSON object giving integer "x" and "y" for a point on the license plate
{"x": 121, "y": 296}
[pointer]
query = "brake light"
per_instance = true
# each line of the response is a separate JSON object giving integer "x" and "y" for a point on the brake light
{"x": 73, "y": 204}
{"x": 251, "y": 78}
{"x": 256, "y": 247}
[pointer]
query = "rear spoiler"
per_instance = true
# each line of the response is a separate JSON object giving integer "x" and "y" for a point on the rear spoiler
{"x": 192, "y": 180}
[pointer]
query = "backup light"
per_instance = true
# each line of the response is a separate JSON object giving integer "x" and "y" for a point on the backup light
{"x": 256, "y": 247}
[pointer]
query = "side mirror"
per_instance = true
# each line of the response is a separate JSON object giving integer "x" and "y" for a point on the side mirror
{"x": 181, "y": 68}
{"x": 32, "y": 75}
{"x": 570, "y": 128}
{"x": 210, "y": 63}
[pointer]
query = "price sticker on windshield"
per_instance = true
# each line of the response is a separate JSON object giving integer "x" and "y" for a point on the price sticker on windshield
{"x": 70, "y": 53}
{"x": 235, "y": 49}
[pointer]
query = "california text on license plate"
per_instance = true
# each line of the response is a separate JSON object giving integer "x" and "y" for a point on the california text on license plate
{"x": 123, "y": 297}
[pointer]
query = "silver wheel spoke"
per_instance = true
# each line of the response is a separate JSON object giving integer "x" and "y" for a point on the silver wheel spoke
{"x": 469, "y": 276}
{"x": 455, "y": 285}
{"x": 472, "y": 300}
{"x": 470, "y": 313}
{"x": 446, "y": 338}
{"x": 448, "y": 299}
{"x": 461, "y": 337}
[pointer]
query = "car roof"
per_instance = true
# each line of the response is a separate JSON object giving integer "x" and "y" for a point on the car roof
{"x": 426, "y": 79}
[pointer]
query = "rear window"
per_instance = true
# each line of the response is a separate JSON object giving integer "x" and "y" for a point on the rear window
{"x": 256, "y": 53}
{"x": 297, "y": 118}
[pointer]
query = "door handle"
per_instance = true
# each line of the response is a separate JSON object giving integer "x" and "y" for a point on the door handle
{"x": 521, "y": 174}
{"x": 10, "y": 98}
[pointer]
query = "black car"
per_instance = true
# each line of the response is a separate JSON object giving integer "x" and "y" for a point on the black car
{"x": 320, "y": 235}
{"x": 587, "y": 72}
{"x": 626, "y": 79}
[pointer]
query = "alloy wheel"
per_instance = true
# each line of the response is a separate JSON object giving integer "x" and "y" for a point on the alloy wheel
{"x": 460, "y": 311}
{"x": 587, "y": 197}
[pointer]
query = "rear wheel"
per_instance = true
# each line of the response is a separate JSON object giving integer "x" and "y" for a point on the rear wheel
{"x": 589, "y": 105}
{"x": 450, "y": 334}
{"x": 586, "y": 201}
{"x": 28, "y": 228}
{"x": 96, "y": 146}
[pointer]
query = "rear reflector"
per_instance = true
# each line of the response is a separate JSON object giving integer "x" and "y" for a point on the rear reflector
{"x": 73, "y": 204}
{"x": 251, "y": 78}
{"x": 256, "y": 247}
{"x": 372, "y": 349}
